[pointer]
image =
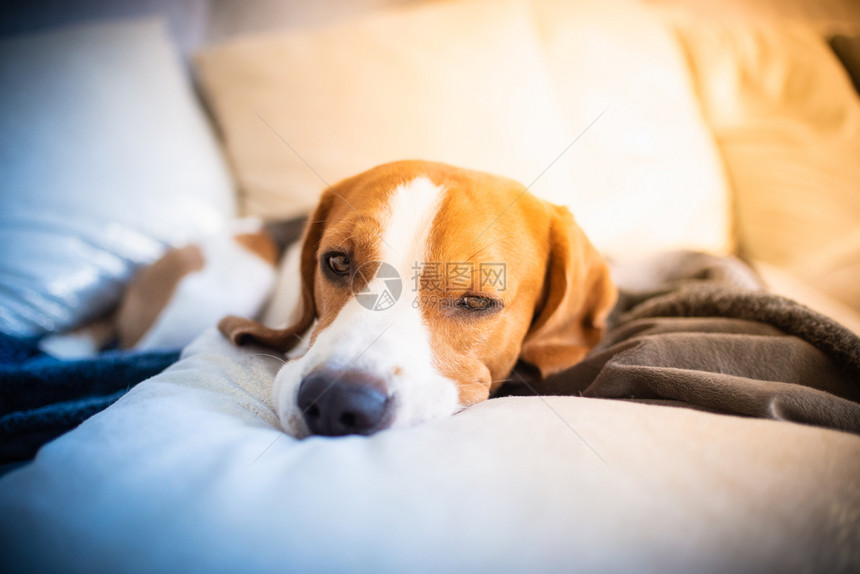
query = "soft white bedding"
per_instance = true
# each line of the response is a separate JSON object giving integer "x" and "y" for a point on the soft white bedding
{"x": 189, "y": 473}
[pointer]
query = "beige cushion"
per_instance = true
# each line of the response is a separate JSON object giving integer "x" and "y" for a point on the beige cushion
{"x": 467, "y": 83}
{"x": 647, "y": 174}
{"x": 788, "y": 123}
{"x": 461, "y": 83}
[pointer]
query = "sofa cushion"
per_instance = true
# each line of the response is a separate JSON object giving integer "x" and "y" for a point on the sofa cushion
{"x": 461, "y": 83}
{"x": 787, "y": 120}
{"x": 467, "y": 83}
{"x": 647, "y": 175}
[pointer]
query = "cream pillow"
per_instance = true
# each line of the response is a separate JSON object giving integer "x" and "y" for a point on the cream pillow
{"x": 788, "y": 122}
{"x": 647, "y": 174}
{"x": 461, "y": 83}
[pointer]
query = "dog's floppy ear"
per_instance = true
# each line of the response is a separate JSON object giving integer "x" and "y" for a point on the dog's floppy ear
{"x": 241, "y": 331}
{"x": 578, "y": 295}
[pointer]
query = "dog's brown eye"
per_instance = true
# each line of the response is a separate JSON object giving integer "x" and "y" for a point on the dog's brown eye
{"x": 339, "y": 263}
{"x": 475, "y": 303}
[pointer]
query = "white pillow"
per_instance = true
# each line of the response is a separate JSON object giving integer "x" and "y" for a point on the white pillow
{"x": 105, "y": 157}
{"x": 189, "y": 473}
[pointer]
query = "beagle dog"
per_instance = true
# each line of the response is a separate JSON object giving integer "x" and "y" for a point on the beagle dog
{"x": 419, "y": 287}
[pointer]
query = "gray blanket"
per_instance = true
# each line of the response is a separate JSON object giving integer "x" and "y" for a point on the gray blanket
{"x": 698, "y": 331}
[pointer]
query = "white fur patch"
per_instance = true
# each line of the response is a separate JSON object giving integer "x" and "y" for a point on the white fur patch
{"x": 233, "y": 281}
{"x": 285, "y": 306}
{"x": 392, "y": 344}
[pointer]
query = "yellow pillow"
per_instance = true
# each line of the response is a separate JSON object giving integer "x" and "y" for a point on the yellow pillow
{"x": 461, "y": 83}
{"x": 788, "y": 123}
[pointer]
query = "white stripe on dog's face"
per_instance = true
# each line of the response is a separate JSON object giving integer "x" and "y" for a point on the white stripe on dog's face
{"x": 391, "y": 342}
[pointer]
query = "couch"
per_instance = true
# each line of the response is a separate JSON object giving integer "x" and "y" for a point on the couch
{"x": 662, "y": 124}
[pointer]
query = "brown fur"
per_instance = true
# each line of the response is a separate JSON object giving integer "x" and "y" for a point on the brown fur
{"x": 260, "y": 244}
{"x": 151, "y": 290}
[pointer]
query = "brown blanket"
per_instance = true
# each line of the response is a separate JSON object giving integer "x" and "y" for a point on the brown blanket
{"x": 705, "y": 339}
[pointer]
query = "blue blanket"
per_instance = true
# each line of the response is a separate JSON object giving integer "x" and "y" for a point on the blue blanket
{"x": 42, "y": 397}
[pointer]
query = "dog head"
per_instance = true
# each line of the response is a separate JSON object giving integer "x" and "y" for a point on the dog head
{"x": 422, "y": 285}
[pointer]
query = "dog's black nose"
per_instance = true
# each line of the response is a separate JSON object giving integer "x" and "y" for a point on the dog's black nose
{"x": 337, "y": 404}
